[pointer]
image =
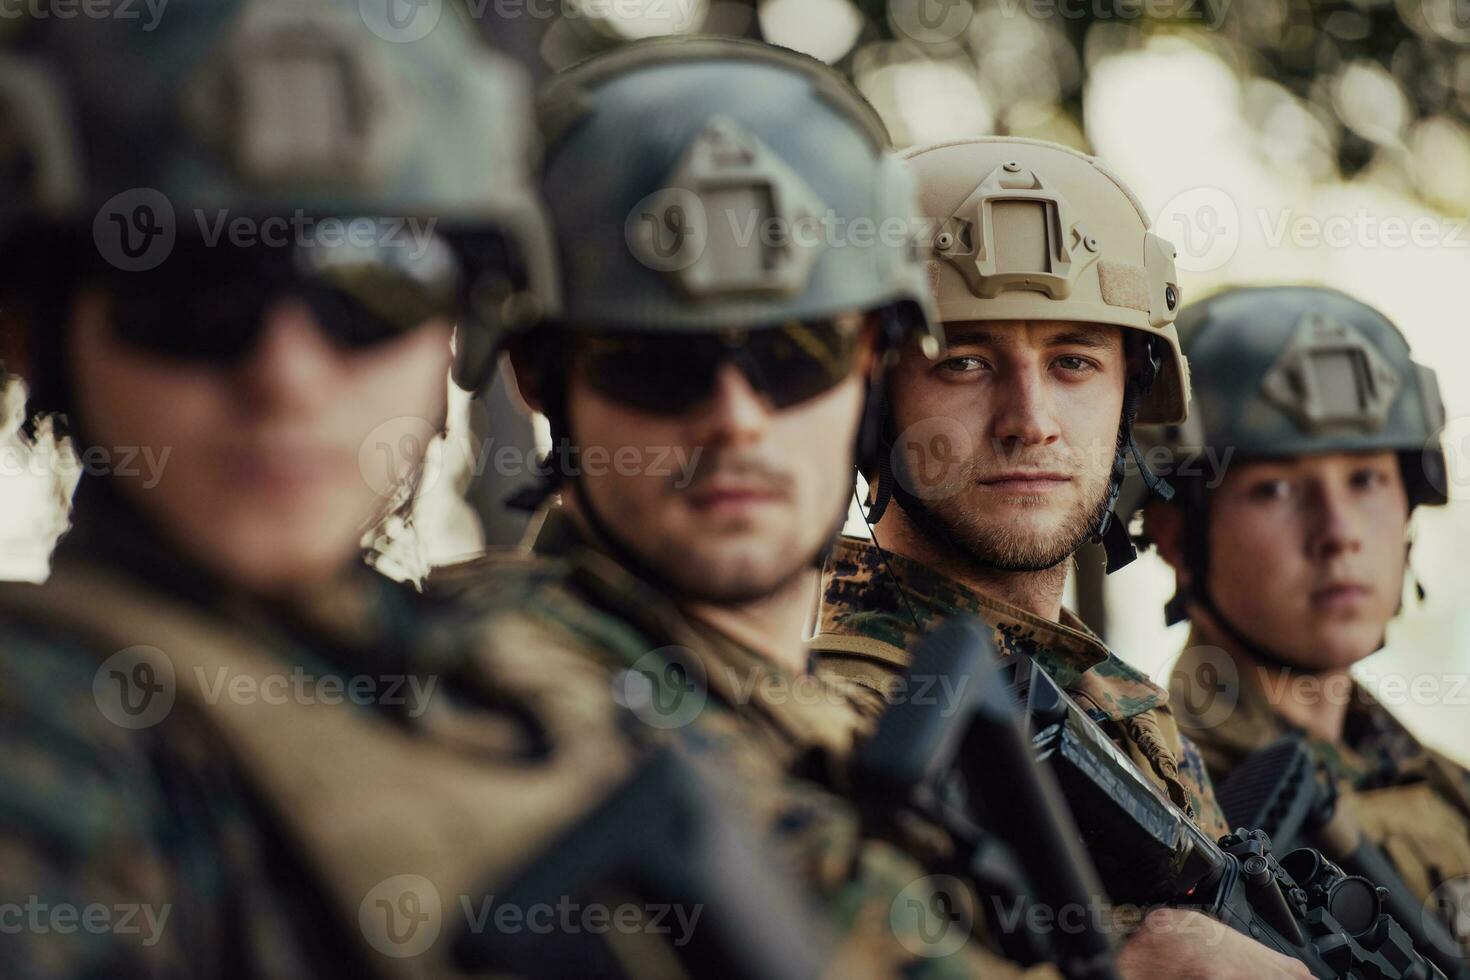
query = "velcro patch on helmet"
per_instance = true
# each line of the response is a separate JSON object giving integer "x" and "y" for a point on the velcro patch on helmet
{"x": 297, "y": 92}
{"x": 1330, "y": 375}
{"x": 1123, "y": 285}
{"x": 1016, "y": 231}
{"x": 733, "y": 218}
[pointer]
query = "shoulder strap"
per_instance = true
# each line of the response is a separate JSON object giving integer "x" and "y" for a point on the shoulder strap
{"x": 862, "y": 660}
{"x": 397, "y": 825}
{"x": 863, "y": 646}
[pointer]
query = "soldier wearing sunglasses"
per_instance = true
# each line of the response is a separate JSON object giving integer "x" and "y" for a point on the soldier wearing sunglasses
{"x": 231, "y": 749}
{"x": 239, "y": 242}
{"x": 713, "y": 312}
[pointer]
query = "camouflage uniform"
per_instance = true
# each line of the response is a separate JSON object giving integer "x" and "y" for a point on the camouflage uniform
{"x": 1382, "y": 772}
{"x": 174, "y": 818}
{"x": 1266, "y": 360}
{"x": 779, "y": 735}
{"x": 169, "y": 817}
{"x": 865, "y": 633}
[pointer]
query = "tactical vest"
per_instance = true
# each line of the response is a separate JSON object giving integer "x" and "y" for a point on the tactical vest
{"x": 397, "y": 824}
{"x": 1420, "y": 819}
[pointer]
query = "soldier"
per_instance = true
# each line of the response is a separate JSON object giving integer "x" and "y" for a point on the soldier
{"x": 732, "y": 276}
{"x": 1313, "y": 439}
{"x": 1007, "y": 454}
{"x": 237, "y": 243}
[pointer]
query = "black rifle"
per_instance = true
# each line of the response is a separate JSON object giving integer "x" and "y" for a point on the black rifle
{"x": 664, "y": 838}
{"x": 1282, "y": 790}
{"x": 1149, "y": 851}
{"x": 968, "y": 768}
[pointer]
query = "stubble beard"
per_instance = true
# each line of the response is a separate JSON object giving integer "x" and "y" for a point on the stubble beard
{"x": 1002, "y": 545}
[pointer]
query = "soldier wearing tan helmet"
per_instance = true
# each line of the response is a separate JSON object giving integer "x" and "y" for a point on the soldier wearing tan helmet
{"x": 231, "y": 748}
{"x": 1008, "y": 453}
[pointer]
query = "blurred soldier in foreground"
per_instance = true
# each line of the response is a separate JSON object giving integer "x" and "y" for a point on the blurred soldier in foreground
{"x": 1313, "y": 438}
{"x": 1006, "y": 455}
{"x": 705, "y": 385}
{"x": 232, "y": 749}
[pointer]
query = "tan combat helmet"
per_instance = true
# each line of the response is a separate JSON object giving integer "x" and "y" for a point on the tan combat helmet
{"x": 1029, "y": 230}
{"x": 1022, "y": 229}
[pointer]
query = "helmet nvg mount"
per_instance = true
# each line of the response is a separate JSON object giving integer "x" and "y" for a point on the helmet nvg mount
{"x": 1292, "y": 371}
{"x": 701, "y": 184}
{"x": 1298, "y": 370}
{"x": 268, "y": 109}
{"x": 715, "y": 185}
{"x": 1028, "y": 230}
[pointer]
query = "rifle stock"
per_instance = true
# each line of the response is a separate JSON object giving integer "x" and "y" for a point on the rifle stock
{"x": 1284, "y": 791}
{"x": 664, "y": 838}
{"x": 1148, "y": 850}
{"x": 948, "y": 763}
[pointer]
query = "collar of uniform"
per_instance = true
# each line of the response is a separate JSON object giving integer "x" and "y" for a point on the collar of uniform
{"x": 859, "y": 597}
{"x": 825, "y": 716}
{"x": 1375, "y": 750}
{"x": 357, "y": 622}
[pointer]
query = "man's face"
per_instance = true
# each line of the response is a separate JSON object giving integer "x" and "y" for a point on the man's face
{"x": 1009, "y": 439}
{"x": 731, "y": 499}
{"x": 1308, "y": 554}
{"x": 269, "y": 478}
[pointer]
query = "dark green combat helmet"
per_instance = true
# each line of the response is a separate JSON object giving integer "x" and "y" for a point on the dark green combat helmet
{"x": 1300, "y": 370}
{"x": 1290, "y": 371}
{"x": 727, "y": 189}
{"x": 707, "y": 183}
{"x": 132, "y": 137}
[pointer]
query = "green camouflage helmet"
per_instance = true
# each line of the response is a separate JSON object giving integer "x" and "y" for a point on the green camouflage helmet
{"x": 130, "y": 129}
{"x": 1301, "y": 370}
{"x": 700, "y": 184}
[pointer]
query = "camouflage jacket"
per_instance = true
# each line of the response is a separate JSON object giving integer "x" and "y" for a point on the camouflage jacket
{"x": 781, "y": 737}
{"x": 199, "y": 783}
{"x": 1410, "y": 800}
{"x": 125, "y": 806}
{"x": 866, "y": 629}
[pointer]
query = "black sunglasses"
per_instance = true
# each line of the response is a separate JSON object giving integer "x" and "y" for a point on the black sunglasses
{"x": 207, "y": 303}
{"x": 668, "y": 373}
